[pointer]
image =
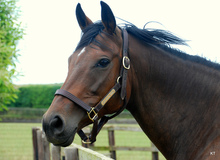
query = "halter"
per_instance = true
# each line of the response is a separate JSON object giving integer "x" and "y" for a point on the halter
{"x": 92, "y": 112}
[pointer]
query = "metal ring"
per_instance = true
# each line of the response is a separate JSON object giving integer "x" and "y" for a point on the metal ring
{"x": 118, "y": 79}
{"x": 86, "y": 142}
{"x": 123, "y": 62}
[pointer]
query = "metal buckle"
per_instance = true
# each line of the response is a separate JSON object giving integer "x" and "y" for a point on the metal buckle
{"x": 95, "y": 114}
{"x": 123, "y": 62}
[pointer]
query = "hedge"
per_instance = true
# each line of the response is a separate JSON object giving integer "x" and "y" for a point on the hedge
{"x": 35, "y": 96}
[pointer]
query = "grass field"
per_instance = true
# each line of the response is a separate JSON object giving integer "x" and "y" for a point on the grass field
{"x": 16, "y": 142}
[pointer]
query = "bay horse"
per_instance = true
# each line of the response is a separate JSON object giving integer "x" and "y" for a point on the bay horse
{"x": 173, "y": 96}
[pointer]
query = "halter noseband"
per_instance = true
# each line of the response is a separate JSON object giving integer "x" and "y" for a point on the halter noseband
{"x": 93, "y": 111}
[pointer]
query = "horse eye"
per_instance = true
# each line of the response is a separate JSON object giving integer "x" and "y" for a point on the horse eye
{"x": 103, "y": 63}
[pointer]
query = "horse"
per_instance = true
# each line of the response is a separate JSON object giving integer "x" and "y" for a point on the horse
{"x": 173, "y": 96}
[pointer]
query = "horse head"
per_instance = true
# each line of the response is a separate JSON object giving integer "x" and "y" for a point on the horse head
{"x": 93, "y": 69}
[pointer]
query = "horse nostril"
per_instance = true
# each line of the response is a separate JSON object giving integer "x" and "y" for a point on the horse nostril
{"x": 57, "y": 125}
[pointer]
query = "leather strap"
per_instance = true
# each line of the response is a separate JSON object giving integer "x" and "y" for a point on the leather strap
{"x": 101, "y": 104}
{"x": 125, "y": 64}
{"x": 73, "y": 98}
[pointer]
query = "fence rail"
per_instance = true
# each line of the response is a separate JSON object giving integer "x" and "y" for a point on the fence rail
{"x": 113, "y": 148}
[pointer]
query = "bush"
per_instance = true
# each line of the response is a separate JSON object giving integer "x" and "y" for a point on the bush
{"x": 35, "y": 96}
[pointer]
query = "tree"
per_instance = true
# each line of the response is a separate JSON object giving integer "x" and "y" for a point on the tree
{"x": 10, "y": 33}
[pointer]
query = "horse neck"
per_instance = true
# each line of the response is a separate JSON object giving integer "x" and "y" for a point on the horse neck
{"x": 174, "y": 101}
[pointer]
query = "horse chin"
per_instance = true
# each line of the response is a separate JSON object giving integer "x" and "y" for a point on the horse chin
{"x": 63, "y": 141}
{"x": 67, "y": 142}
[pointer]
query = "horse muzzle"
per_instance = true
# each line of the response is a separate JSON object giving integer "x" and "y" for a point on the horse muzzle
{"x": 57, "y": 131}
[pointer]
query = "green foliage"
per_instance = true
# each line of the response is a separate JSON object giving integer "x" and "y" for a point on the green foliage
{"x": 35, "y": 96}
{"x": 10, "y": 34}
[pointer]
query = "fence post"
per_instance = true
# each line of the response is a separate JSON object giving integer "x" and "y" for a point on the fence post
{"x": 71, "y": 153}
{"x": 154, "y": 153}
{"x": 34, "y": 141}
{"x": 40, "y": 145}
{"x": 111, "y": 140}
{"x": 55, "y": 152}
{"x": 46, "y": 146}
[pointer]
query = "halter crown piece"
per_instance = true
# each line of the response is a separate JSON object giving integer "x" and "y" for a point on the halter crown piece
{"x": 92, "y": 112}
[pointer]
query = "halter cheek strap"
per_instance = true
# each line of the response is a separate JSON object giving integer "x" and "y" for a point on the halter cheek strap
{"x": 92, "y": 112}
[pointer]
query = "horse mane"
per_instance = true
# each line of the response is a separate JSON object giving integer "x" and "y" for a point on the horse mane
{"x": 157, "y": 37}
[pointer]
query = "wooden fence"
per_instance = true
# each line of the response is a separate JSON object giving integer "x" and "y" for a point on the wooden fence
{"x": 42, "y": 151}
{"x": 113, "y": 148}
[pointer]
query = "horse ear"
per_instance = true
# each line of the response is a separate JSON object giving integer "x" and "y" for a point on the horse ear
{"x": 82, "y": 19}
{"x": 108, "y": 18}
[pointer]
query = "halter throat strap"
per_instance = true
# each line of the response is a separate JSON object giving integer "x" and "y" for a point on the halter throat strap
{"x": 92, "y": 112}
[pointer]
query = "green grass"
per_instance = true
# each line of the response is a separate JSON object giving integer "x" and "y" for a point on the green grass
{"x": 16, "y": 142}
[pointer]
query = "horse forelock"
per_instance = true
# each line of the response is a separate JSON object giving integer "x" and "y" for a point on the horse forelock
{"x": 89, "y": 34}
